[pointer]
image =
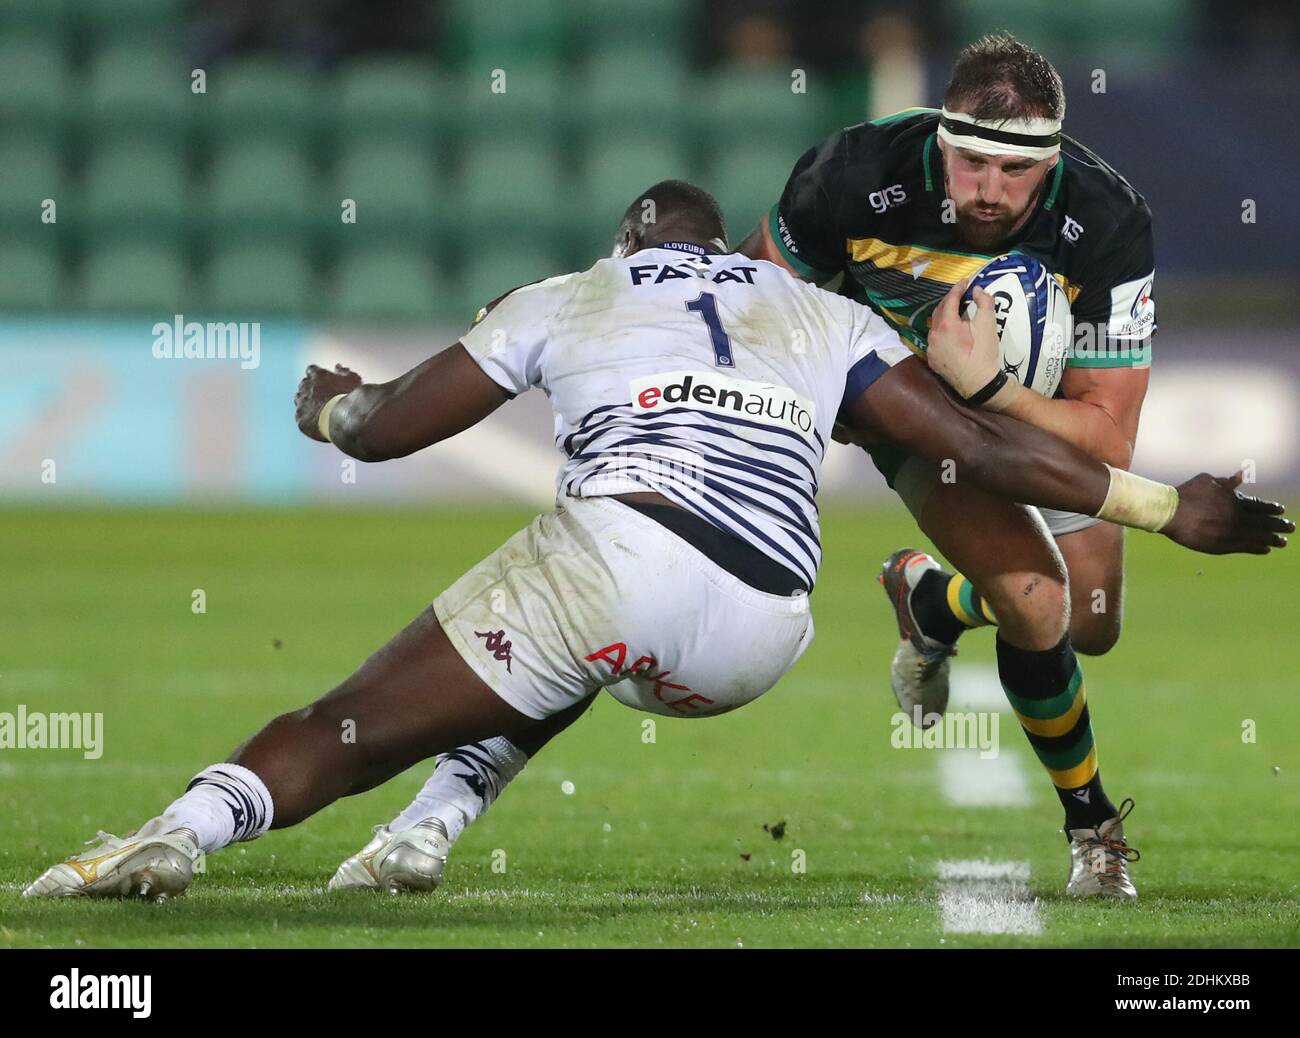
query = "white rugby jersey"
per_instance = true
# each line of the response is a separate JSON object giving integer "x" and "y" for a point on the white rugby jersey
{"x": 712, "y": 380}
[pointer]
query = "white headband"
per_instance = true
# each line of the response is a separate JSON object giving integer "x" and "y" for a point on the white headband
{"x": 1034, "y": 138}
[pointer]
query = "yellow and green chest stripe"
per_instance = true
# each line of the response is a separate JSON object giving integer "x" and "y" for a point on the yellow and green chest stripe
{"x": 904, "y": 283}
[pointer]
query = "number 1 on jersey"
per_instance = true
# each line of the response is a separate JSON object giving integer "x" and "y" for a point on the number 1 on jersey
{"x": 707, "y": 307}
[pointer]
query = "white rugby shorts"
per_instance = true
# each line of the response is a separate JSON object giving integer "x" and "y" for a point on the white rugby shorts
{"x": 597, "y": 595}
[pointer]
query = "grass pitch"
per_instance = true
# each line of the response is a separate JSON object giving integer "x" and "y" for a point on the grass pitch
{"x": 660, "y": 843}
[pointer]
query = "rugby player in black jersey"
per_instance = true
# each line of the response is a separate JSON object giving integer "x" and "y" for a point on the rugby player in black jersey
{"x": 898, "y": 210}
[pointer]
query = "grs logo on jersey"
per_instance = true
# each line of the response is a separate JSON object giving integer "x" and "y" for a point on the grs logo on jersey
{"x": 658, "y": 273}
{"x": 886, "y": 197}
{"x": 761, "y": 402}
{"x": 1132, "y": 309}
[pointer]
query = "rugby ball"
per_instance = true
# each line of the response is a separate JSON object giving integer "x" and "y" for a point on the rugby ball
{"x": 1034, "y": 320}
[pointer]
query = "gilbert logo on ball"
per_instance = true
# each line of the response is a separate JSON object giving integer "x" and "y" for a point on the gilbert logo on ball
{"x": 1033, "y": 315}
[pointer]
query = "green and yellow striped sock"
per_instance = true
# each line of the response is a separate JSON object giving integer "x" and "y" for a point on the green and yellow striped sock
{"x": 967, "y": 604}
{"x": 946, "y": 604}
{"x": 1047, "y": 691}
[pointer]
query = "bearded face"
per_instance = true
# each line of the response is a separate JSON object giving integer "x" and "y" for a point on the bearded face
{"x": 993, "y": 195}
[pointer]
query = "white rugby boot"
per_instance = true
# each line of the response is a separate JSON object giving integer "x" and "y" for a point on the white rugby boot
{"x": 1099, "y": 860}
{"x": 152, "y": 865}
{"x": 397, "y": 863}
{"x": 919, "y": 674}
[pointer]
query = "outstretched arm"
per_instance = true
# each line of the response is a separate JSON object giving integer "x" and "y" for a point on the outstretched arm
{"x": 910, "y": 407}
{"x": 444, "y": 395}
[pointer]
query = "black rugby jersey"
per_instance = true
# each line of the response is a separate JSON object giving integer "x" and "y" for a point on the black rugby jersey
{"x": 869, "y": 201}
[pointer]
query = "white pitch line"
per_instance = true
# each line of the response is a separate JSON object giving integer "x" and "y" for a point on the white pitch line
{"x": 984, "y": 896}
{"x": 976, "y": 686}
{"x": 969, "y": 780}
{"x": 987, "y": 897}
{"x": 966, "y": 778}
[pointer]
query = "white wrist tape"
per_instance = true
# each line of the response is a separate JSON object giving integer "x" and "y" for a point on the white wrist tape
{"x": 1138, "y": 502}
{"x": 323, "y": 422}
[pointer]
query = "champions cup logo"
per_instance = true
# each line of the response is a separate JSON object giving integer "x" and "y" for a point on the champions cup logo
{"x": 717, "y": 394}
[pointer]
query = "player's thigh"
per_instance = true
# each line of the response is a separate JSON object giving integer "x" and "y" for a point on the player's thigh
{"x": 1002, "y": 547}
{"x": 414, "y": 697}
{"x": 598, "y": 595}
{"x": 1095, "y": 559}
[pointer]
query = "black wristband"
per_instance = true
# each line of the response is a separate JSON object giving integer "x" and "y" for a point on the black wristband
{"x": 984, "y": 395}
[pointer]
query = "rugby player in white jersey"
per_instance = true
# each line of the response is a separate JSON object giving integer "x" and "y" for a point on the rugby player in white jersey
{"x": 694, "y": 391}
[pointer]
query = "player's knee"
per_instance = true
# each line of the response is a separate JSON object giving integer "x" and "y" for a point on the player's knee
{"x": 1032, "y": 608}
{"x": 323, "y": 719}
{"x": 329, "y": 711}
{"x": 1094, "y": 634}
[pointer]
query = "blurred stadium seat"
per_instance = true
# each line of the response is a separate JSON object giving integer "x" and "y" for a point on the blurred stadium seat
{"x": 30, "y": 172}
{"x": 135, "y": 88}
{"x": 1137, "y": 35}
{"x": 31, "y": 277}
{"x": 496, "y": 269}
{"x": 377, "y": 284}
{"x": 134, "y": 189}
{"x": 99, "y": 20}
{"x": 51, "y": 18}
{"x": 664, "y": 26}
{"x": 393, "y": 98}
{"x": 747, "y": 181}
{"x": 36, "y": 87}
{"x": 739, "y": 106}
{"x": 530, "y": 101}
{"x": 260, "y": 280}
{"x": 505, "y": 31}
{"x": 398, "y": 193}
{"x": 136, "y": 278}
{"x": 262, "y": 190}
{"x": 263, "y": 97}
{"x": 512, "y": 188}
{"x": 628, "y": 91}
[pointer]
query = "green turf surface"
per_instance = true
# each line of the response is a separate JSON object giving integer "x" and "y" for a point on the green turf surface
{"x": 650, "y": 847}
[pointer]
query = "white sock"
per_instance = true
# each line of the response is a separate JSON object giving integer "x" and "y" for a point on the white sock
{"x": 222, "y": 804}
{"x": 464, "y": 785}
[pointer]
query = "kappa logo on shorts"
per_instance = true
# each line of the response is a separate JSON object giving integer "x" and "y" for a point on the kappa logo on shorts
{"x": 495, "y": 643}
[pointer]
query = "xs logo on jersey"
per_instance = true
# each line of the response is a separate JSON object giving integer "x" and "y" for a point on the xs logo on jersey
{"x": 495, "y": 643}
{"x": 887, "y": 197}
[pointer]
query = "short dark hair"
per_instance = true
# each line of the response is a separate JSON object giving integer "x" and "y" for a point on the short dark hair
{"x": 998, "y": 77}
{"x": 687, "y": 209}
